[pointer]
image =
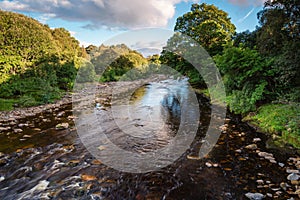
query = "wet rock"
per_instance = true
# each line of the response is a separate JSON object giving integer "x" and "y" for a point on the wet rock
{"x": 254, "y": 196}
{"x": 251, "y": 146}
{"x": 293, "y": 177}
{"x": 208, "y": 164}
{"x": 60, "y": 114}
{"x": 27, "y": 136}
{"x": 2, "y": 129}
{"x": 294, "y": 182}
{"x": 190, "y": 157}
{"x": 86, "y": 177}
{"x": 96, "y": 162}
{"x": 41, "y": 186}
{"x": 2, "y": 178}
{"x": 290, "y": 171}
{"x": 238, "y": 151}
{"x": 62, "y": 126}
{"x": 281, "y": 164}
{"x": 256, "y": 140}
{"x": 23, "y": 125}
{"x": 37, "y": 129}
{"x": 284, "y": 186}
{"x": 18, "y": 130}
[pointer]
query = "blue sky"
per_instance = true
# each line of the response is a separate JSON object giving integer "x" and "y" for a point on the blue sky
{"x": 96, "y": 21}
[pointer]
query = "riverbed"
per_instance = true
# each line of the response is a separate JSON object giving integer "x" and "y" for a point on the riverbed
{"x": 43, "y": 156}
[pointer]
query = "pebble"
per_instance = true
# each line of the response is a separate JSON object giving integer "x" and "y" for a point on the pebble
{"x": 208, "y": 164}
{"x": 251, "y": 146}
{"x": 254, "y": 196}
{"x": 193, "y": 157}
{"x": 293, "y": 177}
{"x": 2, "y": 178}
{"x": 281, "y": 164}
{"x": 260, "y": 182}
{"x": 62, "y": 126}
{"x": 290, "y": 171}
{"x": 86, "y": 177}
{"x": 238, "y": 151}
{"x": 18, "y": 130}
{"x": 256, "y": 140}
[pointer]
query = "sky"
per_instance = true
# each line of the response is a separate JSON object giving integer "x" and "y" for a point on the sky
{"x": 97, "y": 21}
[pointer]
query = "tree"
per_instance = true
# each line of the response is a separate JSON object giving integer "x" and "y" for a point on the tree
{"x": 279, "y": 37}
{"x": 208, "y": 25}
{"x": 248, "y": 77}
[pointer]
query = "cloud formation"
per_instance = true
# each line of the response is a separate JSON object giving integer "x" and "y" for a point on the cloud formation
{"x": 247, "y": 2}
{"x": 102, "y": 13}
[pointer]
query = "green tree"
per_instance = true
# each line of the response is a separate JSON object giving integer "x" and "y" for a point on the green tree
{"x": 208, "y": 25}
{"x": 248, "y": 78}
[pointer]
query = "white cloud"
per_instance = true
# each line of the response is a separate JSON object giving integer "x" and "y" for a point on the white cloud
{"x": 102, "y": 13}
{"x": 247, "y": 2}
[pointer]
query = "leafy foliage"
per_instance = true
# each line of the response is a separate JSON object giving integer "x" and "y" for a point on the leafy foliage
{"x": 208, "y": 25}
{"x": 36, "y": 62}
{"x": 280, "y": 119}
{"x": 247, "y": 77}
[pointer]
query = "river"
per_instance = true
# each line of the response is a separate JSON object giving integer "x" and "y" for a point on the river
{"x": 40, "y": 160}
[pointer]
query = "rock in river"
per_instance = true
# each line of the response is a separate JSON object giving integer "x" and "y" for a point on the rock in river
{"x": 62, "y": 126}
{"x": 293, "y": 177}
{"x": 254, "y": 196}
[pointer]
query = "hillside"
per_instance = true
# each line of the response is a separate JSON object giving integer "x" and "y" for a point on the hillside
{"x": 36, "y": 62}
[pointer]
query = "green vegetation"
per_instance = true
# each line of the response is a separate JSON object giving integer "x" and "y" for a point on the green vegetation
{"x": 259, "y": 68}
{"x": 282, "y": 120}
{"x": 36, "y": 63}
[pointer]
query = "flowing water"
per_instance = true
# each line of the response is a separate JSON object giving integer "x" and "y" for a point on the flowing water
{"x": 43, "y": 162}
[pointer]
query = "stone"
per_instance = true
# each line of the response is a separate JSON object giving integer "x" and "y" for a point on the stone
{"x": 254, "y": 196}
{"x": 2, "y": 178}
{"x": 260, "y": 182}
{"x": 293, "y": 177}
{"x": 281, "y": 164}
{"x": 60, "y": 114}
{"x": 62, "y": 126}
{"x": 284, "y": 186}
{"x": 18, "y": 130}
{"x": 193, "y": 157}
{"x": 208, "y": 164}
{"x": 22, "y": 125}
{"x": 86, "y": 177}
{"x": 290, "y": 171}
{"x": 251, "y": 146}
{"x": 256, "y": 140}
{"x": 238, "y": 151}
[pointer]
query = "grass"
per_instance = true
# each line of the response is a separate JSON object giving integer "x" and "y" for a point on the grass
{"x": 282, "y": 120}
{"x": 7, "y": 104}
